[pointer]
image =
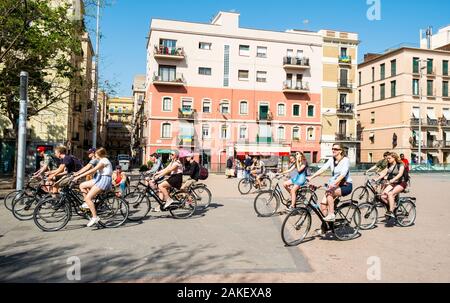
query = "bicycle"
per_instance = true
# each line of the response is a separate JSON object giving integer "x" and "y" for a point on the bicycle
{"x": 267, "y": 203}
{"x": 140, "y": 203}
{"x": 246, "y": 184}
{"x": 404, "y": 212}
{"x": 297, "y": 224}
{"x": 201, "y": 193}
{"x": 23, "y": 205}
{"x": 112, "y": 210}
{"x": 9, "y": 199}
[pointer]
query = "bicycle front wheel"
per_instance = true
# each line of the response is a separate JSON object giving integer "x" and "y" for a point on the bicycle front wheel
{"x": 369, "y": 215}
{"x": 266, "y": 203}
{"x": 360, "y": 195}
{"x": 203, "y": 196}
{"x": 406, "y": 213}
{"x": 112, "y": 211}
{"x": 138, "y": 204}
{"x": 184, "y": 207}
{"x": 9, "y": 199}
{"x": 348, "y": 220}
{"x": 51, "y": 215}
{"x": 296, "y": 226}
{"x": 23, "y": 207}
{"x": 266, "y": 183}
{"x": 245, "y": 186}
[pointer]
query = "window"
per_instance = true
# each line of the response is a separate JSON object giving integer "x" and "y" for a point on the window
{"x": 167, "y": 104}
{"x": 415, "y": 87}
{"x": 243, "y": 108}
{"x": 243, "y": 75}
{"x": 372, "y": 138}
{"x": 296, "y": 110}
{"x": 186, "y": 105}
{"x": 372, "y": 118}
{"x": 290, "y": 53}
{"x": 206, "y": 106}
{"x": 226, "y": 66}
{"x": 445, "y": 67}
{"x": 359, "y": 79}
{"x": 310, "y": 134}
{"x": 167, "y": 73}
{"x": 204, "y": 45}
{"x": 430, "y": 88}
{"x": 415, "y": 65}
{"x": 370, "y": 157}
{"x": 244, "y": 50}
{"x": 359, "y": 97}
{"x": 281, "y": 110}
{"x": 343, "y": 52}
{"x": 204, "y": 71}
{"x": 243, "y": 132}
{"x": 373, "y": 93}
{"x": 225, "y": 107}
{"x": 281, "y": 133}
{"x": 166, "y": 132}
{"x": 296, "y": 133}
{"x": 430, "y": 67}
{"x": 373, "y": 74}
{"x": 311, "y": 111}
{"x": 382, "y": 91}
{"x": 261, "y": 52}
{"x": 343, "y": 128}
{"x": 342, "y": 100}
{"x": 393, "y": 68}
{"x": 393, "y": 89}
{"x": 224, "y": 132}
{"x": 445, "y": 89}
{"x": 206, "y": 131}
{"x": 382, "y": 71}
{"x": 261, "y": 76}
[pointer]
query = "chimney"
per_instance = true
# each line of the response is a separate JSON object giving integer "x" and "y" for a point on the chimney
{"x": 429, "y": 36}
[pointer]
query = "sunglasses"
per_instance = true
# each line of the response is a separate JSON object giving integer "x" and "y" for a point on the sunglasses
{"x": 336, "y": 149}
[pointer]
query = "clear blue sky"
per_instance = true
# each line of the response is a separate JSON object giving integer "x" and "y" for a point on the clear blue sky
{"x": 125, "y": 25}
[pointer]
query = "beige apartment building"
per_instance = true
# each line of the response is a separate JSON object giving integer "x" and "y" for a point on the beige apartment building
{"x": 340, "y": 57}
{"x": 138, "y": 139}
{"x": 398, "y": 91}
{"x": 120, "y": 117}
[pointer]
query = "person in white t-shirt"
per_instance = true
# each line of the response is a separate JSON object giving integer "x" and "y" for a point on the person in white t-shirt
{"x": 102, "y": 182}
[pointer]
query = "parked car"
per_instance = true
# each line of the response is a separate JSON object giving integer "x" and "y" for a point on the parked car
{"x": 124, "y": 162}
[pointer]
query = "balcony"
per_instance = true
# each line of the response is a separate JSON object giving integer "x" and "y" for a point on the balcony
{"x": 345, "y": 60}
{"x": 443, "y": 122}
{"x": 425, "y": 122}
{"x": 344, "y": 84}
{"x": 185, "y": 141}
{"x": 295, "y": 88}
{"x": 429, "y": 144}
{"x": 178, "y": 80}
{"x": 340, "y": 137}
{"x": 296, "y": 63}
{"x": 432, "y": 72}
{"x": 345, "y": 110}
{"x": 267, "y": 117}
{"x": 76, "y": 137}
{"x": 169, "y": 53}
{"x": 264, "y": 140}
{"x": 188, "y": 114}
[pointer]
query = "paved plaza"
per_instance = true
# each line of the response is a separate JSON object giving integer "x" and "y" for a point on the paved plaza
{"x": 229, "y": 243}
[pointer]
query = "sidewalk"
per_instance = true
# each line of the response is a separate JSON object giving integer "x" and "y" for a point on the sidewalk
{"x": 6, "y": 186}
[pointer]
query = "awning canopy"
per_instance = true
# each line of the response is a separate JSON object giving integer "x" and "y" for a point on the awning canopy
{"x": 434, "y": 134}
{"x": 431, "y": 114}
{"x": 263, "y": 150}
{"x": 446, "y": 114}
{"x": 436, "y": 155}
{"x": 416, "y": 112}
{"x": 372, "y": 135}
{"x": 164, "y": 151}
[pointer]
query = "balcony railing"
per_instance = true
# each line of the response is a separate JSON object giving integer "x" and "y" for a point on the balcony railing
{"x": 185, "y": 140}
{"x": 432, "y": 144}
{"x": 344, "y": 84}
{"x": 345, "y": 109}
{"x": 345, "y": 60}
{"x": 176, "y": 53}
{"x": 177, "y": 80}
{"x": 432, "y": 122}
{"x": 266, "y": 140}
{"x": 425, "y": 122}
{"x": 345, "y": 137}
{"x": 296, "y": 63}
{"x": 186, "y": 113}
{"x": 444, "y": 122}
{"x": 264, "y": 117}
{"x": 295, "y": 87}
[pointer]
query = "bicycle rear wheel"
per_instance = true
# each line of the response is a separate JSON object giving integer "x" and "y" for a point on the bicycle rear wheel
{"x": 138, "y": 206}
{"x": 348, "y": 220}
{"x": 202, "y": 195}
{"x": 9, "y": 199}
{"x": 112, "y": 211}
{"x": 23, "y": 207}
{"x": 266, "y": 203}
{"x": 51, "y": 215}
{"x": 296, "y": 226}
{"x": 245, "y": 186}
{"x": 266, "y": 183}
{"x": 406, "y": 213}
{"x": 369, "y": 215}
{"x": 184, "y": 206}
{"x": 361, "y": 195}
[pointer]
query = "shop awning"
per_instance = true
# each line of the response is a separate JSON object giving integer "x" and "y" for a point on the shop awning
{"x": 435, "y": 155}
{"x": 263, "y": 150}
{"x": 164, "y": 151}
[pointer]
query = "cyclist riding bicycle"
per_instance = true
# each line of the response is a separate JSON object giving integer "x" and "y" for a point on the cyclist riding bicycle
{"x": 340, "y": 183}
{"x": 258, "y": 170}
{"x": 175, "y": 170}
{"x": 157, "y": 166}
{"x": 192, "y": 173}
{"x": 381, "y": 165}
{"x": 101, "y": 183}
{"x": 297, "y": 171}
{"x": 397, "y": 181}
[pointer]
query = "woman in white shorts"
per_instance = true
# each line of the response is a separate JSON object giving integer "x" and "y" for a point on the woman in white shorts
{"x": 102, "y": 182}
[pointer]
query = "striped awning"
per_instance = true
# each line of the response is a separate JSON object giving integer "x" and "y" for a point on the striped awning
{"x": 263, "y": 150}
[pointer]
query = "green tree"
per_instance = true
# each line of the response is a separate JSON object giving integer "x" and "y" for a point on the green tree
{"x": 45, "y": 41}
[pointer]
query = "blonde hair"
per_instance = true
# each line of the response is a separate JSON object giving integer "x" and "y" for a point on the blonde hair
{"x": 396, "y": 157}
{"x": 101, "y": 153}
{"x": 61, "y": 149}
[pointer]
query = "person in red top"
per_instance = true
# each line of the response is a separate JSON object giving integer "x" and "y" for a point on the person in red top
{"x": 405, "y": 161}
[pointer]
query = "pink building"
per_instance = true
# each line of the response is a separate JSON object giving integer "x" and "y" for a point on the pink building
{"x": 221, "y": 90}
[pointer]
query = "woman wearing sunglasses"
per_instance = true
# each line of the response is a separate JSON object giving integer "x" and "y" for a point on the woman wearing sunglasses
{"x": 340, "y": 183}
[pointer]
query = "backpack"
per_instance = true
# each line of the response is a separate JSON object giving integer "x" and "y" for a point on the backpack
{"x": 406, "y": 176}
{"x": 203, "y": 173}
{"x": 78, "y": 165}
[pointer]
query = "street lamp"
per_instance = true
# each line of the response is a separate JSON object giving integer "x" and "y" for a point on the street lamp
{"x": 421, "y": 68}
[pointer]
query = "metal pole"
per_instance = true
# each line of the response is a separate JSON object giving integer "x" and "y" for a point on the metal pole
{"x": 420, "y": 112}
{"x": 22, "y": 131}
{"x": 97, "y": 47}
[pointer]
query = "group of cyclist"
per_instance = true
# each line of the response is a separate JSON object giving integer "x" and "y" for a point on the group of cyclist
{"x": 100, "y": 176}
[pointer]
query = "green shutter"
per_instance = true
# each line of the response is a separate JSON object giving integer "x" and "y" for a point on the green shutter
{"x": 445, "y": 68}
{"x": 416, "y": 65}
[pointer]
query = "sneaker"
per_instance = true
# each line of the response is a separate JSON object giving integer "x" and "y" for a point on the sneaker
{"x": 290, "y": 209}
{"x": 156, "y": 209}
{"x": 390, "y": 214}
{"x": 320, "y": 232}
{"x": 168, "y": 203}
{"x": 84, "y": 206}
{"x": 330, "y": 218}
{"x": 93, "y": 221}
